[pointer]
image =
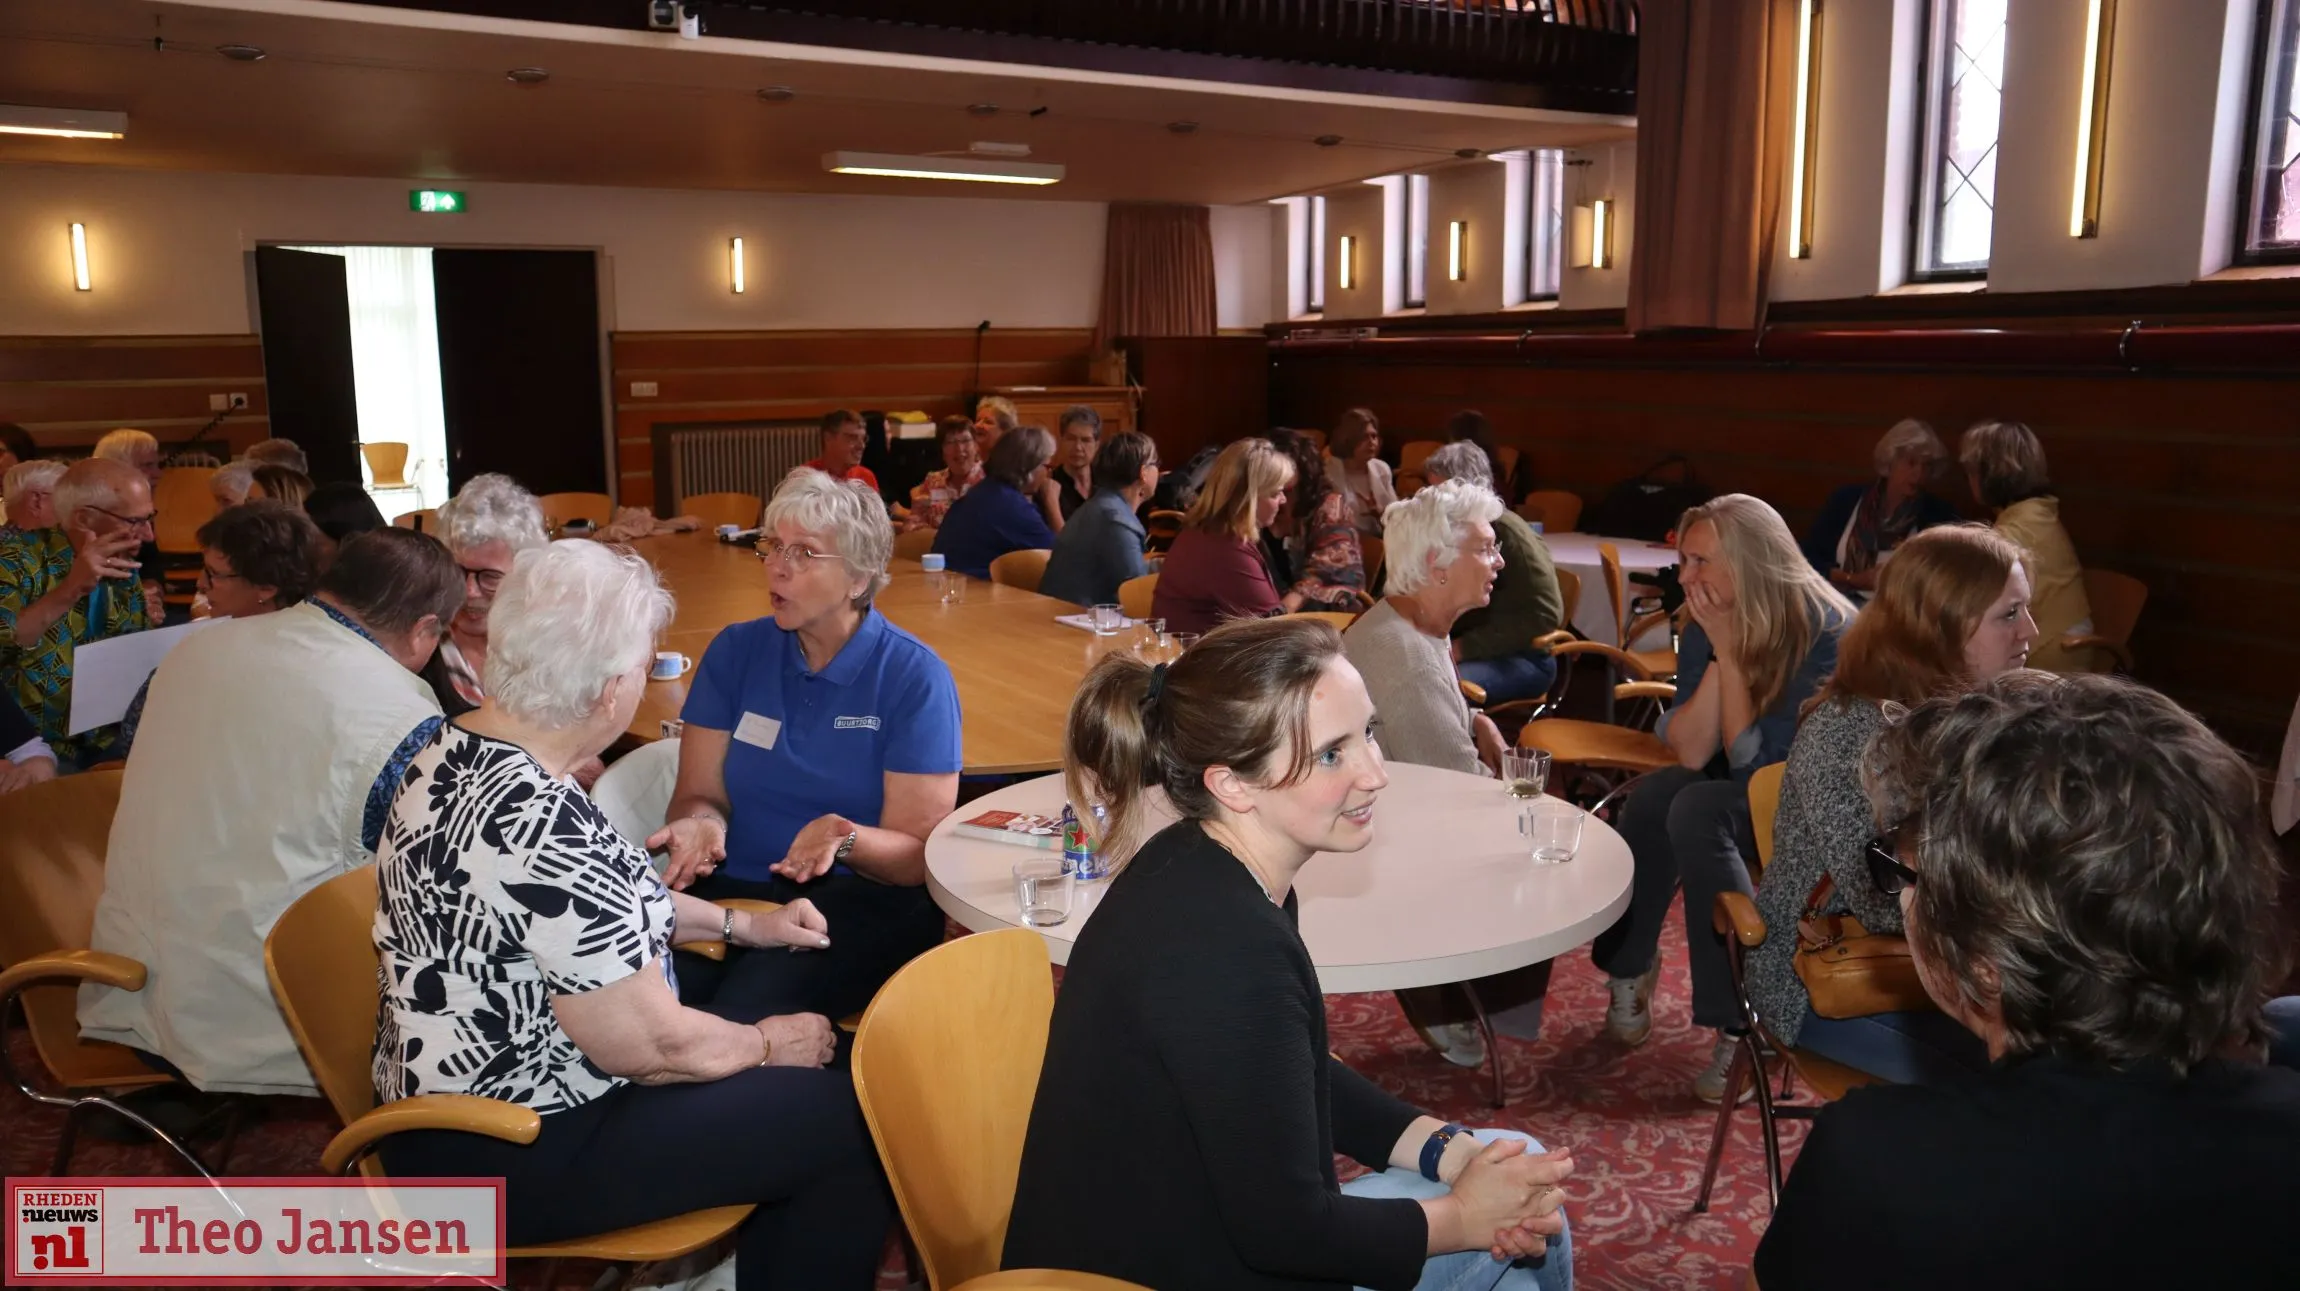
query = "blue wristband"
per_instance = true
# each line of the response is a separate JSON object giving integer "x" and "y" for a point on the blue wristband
{"x": 1435, "y": 1148}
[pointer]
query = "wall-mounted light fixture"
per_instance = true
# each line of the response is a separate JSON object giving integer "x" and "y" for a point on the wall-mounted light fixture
{"x": 1804, "y": 130}
{"x": 62, "y": 123}
{"x": 80, "y": 257}
{"x": 1347, "y": 267}
{"x": 736, "y": 279}
{"x": 1457, "y": 250}
{"x": 1593, "y": 235}
{"x": 2092, "y": 119}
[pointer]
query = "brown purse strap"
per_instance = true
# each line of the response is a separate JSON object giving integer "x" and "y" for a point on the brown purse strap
{"x": 1816, "y": 929}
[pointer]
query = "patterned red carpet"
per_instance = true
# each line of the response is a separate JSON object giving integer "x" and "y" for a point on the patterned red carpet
{"x": 1637, "y": 1133}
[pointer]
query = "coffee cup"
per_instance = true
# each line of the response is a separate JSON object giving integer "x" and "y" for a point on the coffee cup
{"x": 727, "y": 532}
{"x": 670, "y": 665}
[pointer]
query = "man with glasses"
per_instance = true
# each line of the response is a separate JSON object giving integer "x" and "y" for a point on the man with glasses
{"x": 56, "y": 597}
{"x": 1102, "y": 545}
{"x": 844, "y": 442}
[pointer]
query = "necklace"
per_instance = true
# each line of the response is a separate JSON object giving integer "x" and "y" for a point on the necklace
{"x": 1239, "y": 856}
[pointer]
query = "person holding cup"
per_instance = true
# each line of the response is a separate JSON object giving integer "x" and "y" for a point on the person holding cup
{"x": 821, "y": 744}
{"x": 1190, "y": 1027}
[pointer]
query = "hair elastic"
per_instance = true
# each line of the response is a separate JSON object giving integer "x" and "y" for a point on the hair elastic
{"x": 1157, "y": 686}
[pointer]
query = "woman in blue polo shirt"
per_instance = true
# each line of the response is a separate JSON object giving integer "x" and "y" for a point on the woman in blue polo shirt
{"x": 998, "y": 515}
{"x": 821, "y": 744}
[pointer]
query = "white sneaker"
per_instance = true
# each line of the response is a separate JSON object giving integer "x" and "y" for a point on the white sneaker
{"x": 1459, "y": 1043}
{"x": 1629, "y": 1014}
{"x": 1709, "y": 1086}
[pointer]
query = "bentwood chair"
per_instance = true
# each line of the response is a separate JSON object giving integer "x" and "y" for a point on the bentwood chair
{"x": 1341, "y": 619}
{"x": 1640, "y": 665}
{"x": 424, "y": 521}
{"x": 559, "y": 508}
{"x": 742, "y": 510}
{"x": 1136, "y": 595}
{"x": 1371, "y": 552}
{"x": 51, "y": 873}
{"x": 1161, "y": 528}
{"x": 1569, "y": 590}
{"x": 946, "y": 1068}
{"x": 321, "y": 960}
{"x": 181, "y": 503}
{"x": 1736, "y": 919}
{"x": 1413, "y": 454}
{"x": 914, "y": 544}
{"x": 1557, "y": 510}
{"x": 1022, "y": 568}
{"x": 2117, "y": 600}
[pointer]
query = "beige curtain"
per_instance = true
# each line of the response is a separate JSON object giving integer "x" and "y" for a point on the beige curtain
{"x": 1157, "y": 273}
{"x": 1714, "y": 83}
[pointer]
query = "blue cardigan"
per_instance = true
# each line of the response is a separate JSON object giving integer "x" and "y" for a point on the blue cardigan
{"x": 1837, "y": 512}
{"x": 993, "y": 519}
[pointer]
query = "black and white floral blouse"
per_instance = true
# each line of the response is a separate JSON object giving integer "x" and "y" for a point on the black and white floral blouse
{"x": 502, "y": 887}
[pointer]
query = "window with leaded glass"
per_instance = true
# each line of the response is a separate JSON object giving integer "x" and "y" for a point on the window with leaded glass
{"x": 1544, "y": 222}
{"x": 2271, "y": 177}
{"x": 1416, "y": 245}
{"x": 1964, "y": 88}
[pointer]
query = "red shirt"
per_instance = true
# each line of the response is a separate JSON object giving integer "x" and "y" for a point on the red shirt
{"x": 1209, "y": 580}
{"x": 858, "y": 471}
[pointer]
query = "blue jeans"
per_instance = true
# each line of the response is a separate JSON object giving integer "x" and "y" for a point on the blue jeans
{"x": 1473, "y": 1270}
{"x": 2284, "y": 1022}
{"x": 1512, "y": 676}
{"x": 1915, "y": 1048}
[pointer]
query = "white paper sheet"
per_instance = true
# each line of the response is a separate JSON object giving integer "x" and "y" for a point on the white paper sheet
{"x": 107, "y": 674}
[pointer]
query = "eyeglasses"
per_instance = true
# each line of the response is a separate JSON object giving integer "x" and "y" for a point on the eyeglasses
{"x": 143, "y": 521}
{"x": 788, "y": 555}
{"x": 209, "y": 576}
{"x": 488, "y": 579}
{"x": 1885, "y": 868}
{"x": 1490, "y": 553}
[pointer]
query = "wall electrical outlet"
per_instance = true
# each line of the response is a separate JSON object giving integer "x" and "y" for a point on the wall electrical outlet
{"x": 642, "y": 389}
{"x": 239, "y": 400}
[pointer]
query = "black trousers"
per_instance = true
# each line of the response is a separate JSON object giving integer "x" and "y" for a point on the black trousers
{"x": 1683, "y": 828}
{"x": 875, "y": 928}
{"x": 789, "y": 1139}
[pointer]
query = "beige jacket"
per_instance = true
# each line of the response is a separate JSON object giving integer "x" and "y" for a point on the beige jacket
{"x": 2056, "y": 582}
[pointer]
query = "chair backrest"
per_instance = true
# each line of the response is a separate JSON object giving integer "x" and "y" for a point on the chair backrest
{"x": 1569, "y": 587}
{"x": 182, "y": 504}
{"x": 1415, "y": 452}
{"x": 1617, "y": 589}
{"x": 424, "y": 521}
{"x": 1160, "y": 530}
{"x": 635, "y": 793}
{"x": 1557, "y": 510}
{"x": 1021, "y": 569}
{"x": 386, "y": 463}
{"x": 946, "y": 1066}
{"x": 559, "y": 508}
{"x": 1764, "y": 805}
{"x": 2116, "y": 603}
{"x": 714, "y": 509}
{"x": 912, "y": 545}
{"x": 321, "y": 961}
{"x": 1370, "y": 551}
{"x": 1136, "y": 595}
{"x": 1339, "y": 619}
{"x": 51, "y": 873}
{"x": 1505, "y": 457}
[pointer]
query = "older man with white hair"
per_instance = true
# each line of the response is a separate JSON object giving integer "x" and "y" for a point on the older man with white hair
{"x": 57, "y": 596}
{"x": 1493, "y": 643}
{"x": 28, "y": 493}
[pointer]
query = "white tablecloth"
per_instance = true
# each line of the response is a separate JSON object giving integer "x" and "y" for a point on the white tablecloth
{"x": 1593, "y": 618}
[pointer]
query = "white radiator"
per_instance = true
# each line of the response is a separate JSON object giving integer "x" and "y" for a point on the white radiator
{"x": 752, "y": 458}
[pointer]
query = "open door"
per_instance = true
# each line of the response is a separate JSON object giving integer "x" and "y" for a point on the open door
{"x": 519, "y": 367}
{"x": 306, "y": 330}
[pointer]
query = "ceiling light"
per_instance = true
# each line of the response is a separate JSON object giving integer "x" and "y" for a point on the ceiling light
{"x": 778, "y": 94}
{"x": 902, "y": 166}
{"x": 242, "y": 53}
{"x": 63, "y": 123}
{"x": 528, "y": 75}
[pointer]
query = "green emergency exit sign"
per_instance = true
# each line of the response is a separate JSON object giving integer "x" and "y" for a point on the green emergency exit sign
{"x": 435, "y": 201}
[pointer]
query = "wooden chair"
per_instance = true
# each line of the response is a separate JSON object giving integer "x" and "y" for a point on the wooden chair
{"x": 51, "y": 873}
{"x": 914, "y": 544}
{"x": 424, "y": 521}
{"x": 181, "y": 503}
{"x": 2117, "y": 600}
{"x": 1569, "y": 588}
{"x": 714, "y": 509}
{"x": 1136, "y": 595}
{"x": 1737, "y": 920}
{"x": 1642, "y": 665}
{"x": 1413, "y": 454}
{"x": 1557, "y": 510}
{"x": 1603, "y": 746}
{"x": 559, "y": 508}
{"x": 1340, "y": 619}
{"x": 386, "y": 464}
{"x": 1370, "y": 549}
{"x": 321, "y": 960}
{"x": 1022, "y": 568}
{"x": 1408, "y": 483}
{"x": 1161, "y": 529}
{"x": 946, "y": 1067}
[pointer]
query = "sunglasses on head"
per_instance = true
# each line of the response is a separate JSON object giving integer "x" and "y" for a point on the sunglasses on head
{"x": 1885, "y": 868}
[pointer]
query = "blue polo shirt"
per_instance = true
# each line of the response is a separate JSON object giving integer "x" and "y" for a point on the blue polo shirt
{"x": 807, "y": 744}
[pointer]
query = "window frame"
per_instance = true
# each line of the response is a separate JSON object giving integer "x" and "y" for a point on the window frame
{"x": 1312, "y": 261}
{"x": 1414, "y": 246}
{"x": 2268, "y": 42}
{"x": 1934, "y": 57}
{"x": 1537, "y": 235}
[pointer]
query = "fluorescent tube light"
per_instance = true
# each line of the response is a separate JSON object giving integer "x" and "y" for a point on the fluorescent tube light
{"x": 2092, "y": 119}
{"x": 735, "y": 279}
{"x": 1601, "y": 233}
{"x": 1457, "y": 250}
{"x": 63, "y": 123}
{"x": 1803, "y": 131}
{"x": 972, "y": 169}
{"x": 80, "y": 257}
{"x": 1346, "y": 269}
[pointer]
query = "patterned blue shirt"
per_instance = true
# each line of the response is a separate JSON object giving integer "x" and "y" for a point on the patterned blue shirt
{"x": 395, "y": 768}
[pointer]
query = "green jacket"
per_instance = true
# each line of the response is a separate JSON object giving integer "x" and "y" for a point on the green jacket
{"x": 1526, "y": 601}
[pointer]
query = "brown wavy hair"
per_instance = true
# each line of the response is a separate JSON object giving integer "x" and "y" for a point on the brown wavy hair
{"x": 1909, "y": 643}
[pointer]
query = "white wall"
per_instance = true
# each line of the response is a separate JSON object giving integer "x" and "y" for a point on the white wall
{"x": 168, "y": 251}
{"x": 1248, "y": 290}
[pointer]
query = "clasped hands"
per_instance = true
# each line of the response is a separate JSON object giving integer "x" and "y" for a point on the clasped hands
{"x": 1510, "y": 1200}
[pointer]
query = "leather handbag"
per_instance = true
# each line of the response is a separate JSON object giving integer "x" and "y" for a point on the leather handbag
{"x": 1850, "y": 972}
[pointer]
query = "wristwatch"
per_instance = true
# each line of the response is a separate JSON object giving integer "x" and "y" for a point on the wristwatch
{"x": 1433, "y": 1150}
{"x": 727, "y": 927}
{"x": 846, "y": 847}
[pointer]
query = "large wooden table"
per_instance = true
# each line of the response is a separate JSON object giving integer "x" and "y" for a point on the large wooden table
{"x": 1015, "y": 666}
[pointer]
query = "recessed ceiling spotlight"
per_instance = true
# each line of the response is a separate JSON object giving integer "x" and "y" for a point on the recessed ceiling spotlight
{"x": 1468, "y": 154}
{"x": 242, "y": 53}
{"x": 1182, "y": 127}
{"x": 982, "y": 109}
{"x": 528, "y": 75}
{"x": 778, "y": 94}
{"x": 1327, "y": 140}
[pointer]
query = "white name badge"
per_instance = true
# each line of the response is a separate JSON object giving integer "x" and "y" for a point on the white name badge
{"x": 757, "y": 730}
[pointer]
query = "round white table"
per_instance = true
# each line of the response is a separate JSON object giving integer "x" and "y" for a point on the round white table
{"x": 1593, "y": 618}
{"x": 1446, "y": 892}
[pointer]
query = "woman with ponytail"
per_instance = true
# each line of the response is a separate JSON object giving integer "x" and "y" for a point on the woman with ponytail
{"x": 1188, "y": 1112}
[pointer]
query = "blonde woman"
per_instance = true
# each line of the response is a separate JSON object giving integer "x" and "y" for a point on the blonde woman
{"x": 1215, "y": 572}
{"x": 1762, "y": 640}
{"x": 1355, "y": 466}
{"x": 2004, "y": 464}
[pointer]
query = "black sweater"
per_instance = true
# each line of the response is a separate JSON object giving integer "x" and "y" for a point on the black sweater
{"x": 1187, "y": 1116}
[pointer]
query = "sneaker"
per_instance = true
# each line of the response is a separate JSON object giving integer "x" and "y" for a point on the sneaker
{"x": 1629, "y": 1015}
{"x": 1709, "y": 1086}
{"x": 1459, "y": 1043}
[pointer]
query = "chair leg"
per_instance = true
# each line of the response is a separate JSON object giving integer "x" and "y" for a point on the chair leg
{"x": 1766, "y": 1123}
{"x": 1733, "y": 1078}
{"x": 1492, "y": 1047}
{"x": 60, "y": 1166}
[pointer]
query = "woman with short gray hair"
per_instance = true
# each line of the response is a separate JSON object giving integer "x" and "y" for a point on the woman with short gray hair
{"x": 526, "y": 957}
{"x": 821, "y": 745}
{"x": 485, "y": 526}
{"x": 1860, "y": 524}
{"x": 1493, "y": 645}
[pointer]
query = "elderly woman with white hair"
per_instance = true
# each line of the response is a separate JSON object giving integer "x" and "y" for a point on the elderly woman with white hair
{"x": 230, "y": 484}
{"x": 485, "y": 526}
{"x": 526, "y": 953}
{"x": 821, "y": 744}
{"x": 1493, "y": 644}
{"x": 1860, "y": 524}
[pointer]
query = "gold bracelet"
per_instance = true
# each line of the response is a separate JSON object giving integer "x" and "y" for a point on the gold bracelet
{"x": 766, "y": 1046}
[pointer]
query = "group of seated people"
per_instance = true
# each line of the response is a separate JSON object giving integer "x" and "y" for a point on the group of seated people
{"x": 2083, "y": 870}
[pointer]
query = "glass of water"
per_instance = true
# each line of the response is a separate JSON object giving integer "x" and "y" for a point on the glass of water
{"x": 1553, "y": 827}
{"x": 1042, "y": 889}
{"x": 1184, "y": 640}
{"x": 1151, "y": 643}
{"x": 1108, "y": 619}
{"x": 1524, "y": 772}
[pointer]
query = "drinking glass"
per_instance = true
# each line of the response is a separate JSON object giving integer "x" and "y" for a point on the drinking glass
{"x": 953, "y": 587}
{"x": 1042, "y": 889}
{"x": 1108, "y": 619}
{"x": 1184, "y": 640}
{"x": 1524, "y": 772}
{"x": 1554, "y": 827}
{"x": 1151, "y": 644}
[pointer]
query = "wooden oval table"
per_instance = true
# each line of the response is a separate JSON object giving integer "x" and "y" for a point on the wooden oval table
{"x": 1446, "y": 892}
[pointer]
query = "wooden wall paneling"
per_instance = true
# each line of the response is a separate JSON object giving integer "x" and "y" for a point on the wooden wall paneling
{"x": 69, "y": 390}
{"x": 1200, "y": 390}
